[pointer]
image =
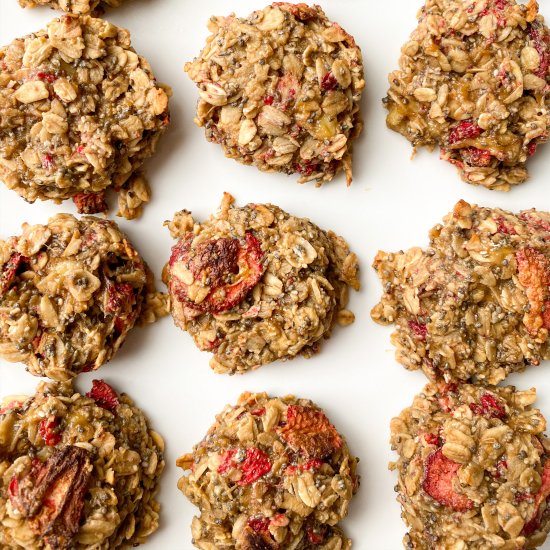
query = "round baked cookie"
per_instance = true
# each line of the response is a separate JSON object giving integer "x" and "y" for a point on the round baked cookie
{"x": 476, "y": 303}
{"x": 255, "y": 284}
{"x": 70, "y": 291}
{"x": 281, "y": 90}
{"x": 474, "y": 78}
{"x": 72, "y": 6}
{"x": 473, "y": 467}
{"x": 77, "y": 471}
{"x": 271, "y": 473}
{"x": 79, "y": 113}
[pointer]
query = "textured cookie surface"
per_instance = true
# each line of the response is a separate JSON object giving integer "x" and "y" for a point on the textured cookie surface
{"x": 77, "y": 471}
{"x": 474, "y": 79}
{"x": 254, "y": 284}
{"x": 79, "y": 7}
{"x": 271, "y": 473}
{"x": 476, "y": 302}
{"x": 79, "y": 113}
{"x": 280, "y": 90}
{"x": 70, "y": 291}
{"x": 473, "y": 468}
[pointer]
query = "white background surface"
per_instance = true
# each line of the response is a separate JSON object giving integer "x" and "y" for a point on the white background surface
{"x": 391, "y": 205}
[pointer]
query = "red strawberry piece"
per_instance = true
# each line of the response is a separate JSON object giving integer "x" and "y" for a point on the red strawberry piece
{"x": 306, "y": 168}
{"x": 227, "y": 267}
{"x": 90, "y": 203}
{"x": 504, "y": 227}
{"x": 120, "y": 296}
{"x": 534, "y": 276}
{"x": 11, "y": 405}
{"x": 309, "y": 432}
{"x": 259, "y": 524}
{"x": 439, "y": 474}
{"x": 489, "y": 406}
{"x": 500, "y": 468}
{"x": 258, "y": 412}
{"x": 432, "y": 439}
{"x": 534, "y": 222}
{"x": 301, "y": 11}
{"x": 541, "y": 42}
{"x": 48, "y": 162}
{"x": 464, "y": 130}
{"x": 48, "y": 77}
{"x": 309, "y": 465}
{"x": 104, "y": 395}
{"x": 268, "y": 100}
{"x": 543, "y": 493}
{"x": 255, "y": 465}
{"x": 51, "y": 495}
{"x": 476, "y": 157}
{"x": 419, "y": 330}
{"x": 47, "y": 430}
{"x": 10, "y": 271}
{"x": 329, "y": 82}
{"x": 227, "y": 462}
{"x": 316, "y": 535}
{"x": 532, "y": 148}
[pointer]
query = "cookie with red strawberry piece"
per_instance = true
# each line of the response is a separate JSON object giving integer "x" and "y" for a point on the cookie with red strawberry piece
{"x": 284, "y": 449}
{"x": 77, "y": 471}
{"x": 281, "y": 90}
{"x": 473, "y": 468}
{"x": 475, "y": 304}
{"x": 255, "y": 284}
{"x": 70, "y": 291}
{"x": 80, "y": 111}
{"x": 474, "y": 79}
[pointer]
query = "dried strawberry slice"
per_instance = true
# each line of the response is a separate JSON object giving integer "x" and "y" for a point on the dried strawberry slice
{"x": 504, "y": 227}
{"x": 259, "y": 523}
{"x": 541, "y": 42}
{"x": 329, "y": 82}
{"x": 476, "y": 157}
{"x": 489, "y": 406}
{"x": 310, "y": 432}
{"x": 543, "y": 493}
{"x": 534, "y": 276}
{"x": 309, "y": 465}
{"x": 119, "y": 297}
{"x": 52, "y": 494}
{"x": 439, "y": 474}
{"x": 301, "y": 11}
{"x": 464, "y": 130}
{"x": 104, "y": 395}
{"x": 255, "y": 465}
{"x": 90, "y": 203}
{"x": 419, "y": 330}
{"x": 10, "y": 271}
{"x": 316, "y": 535}
{"x": 11, "y": 405}
{"x": 229, "y": 269}
{"x": 47, "y": 431}
{"x": 535, "y": 223}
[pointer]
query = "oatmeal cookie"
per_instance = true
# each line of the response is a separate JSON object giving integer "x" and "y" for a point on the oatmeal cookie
{"x": 281, "y": 90}
{"x": 79, "y": 113}
{"x": 79, "y": 7}
{"x": 474, "y": 78}
{"x": 70, "y": 291}
{"x": 254, "y": 284}
{"x": 271, "y": 473}
{"x": 77, "y": 471}
{"x": 476, "y": 302}
{"x": 473, "y": 467}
